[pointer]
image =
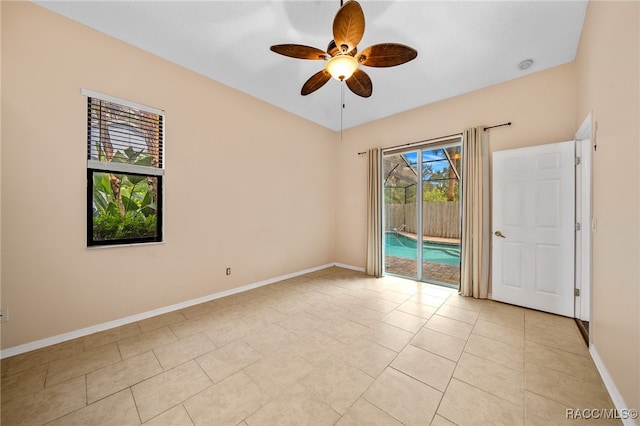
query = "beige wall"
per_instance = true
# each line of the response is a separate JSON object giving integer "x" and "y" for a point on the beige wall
{"x": 541, "y": 107}
{"x": 242, "y": 189}
{"x": 608, "y": 85}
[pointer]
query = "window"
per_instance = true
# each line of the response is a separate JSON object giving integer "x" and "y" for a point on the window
{"x": 125, "y": 171}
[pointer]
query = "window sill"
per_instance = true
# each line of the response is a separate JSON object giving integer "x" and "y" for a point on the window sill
{"x": 155, "y": 243}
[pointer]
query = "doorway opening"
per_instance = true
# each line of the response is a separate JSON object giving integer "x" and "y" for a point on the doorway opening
{"x": 422, "y": 212}
{"x": 583, "y": 205}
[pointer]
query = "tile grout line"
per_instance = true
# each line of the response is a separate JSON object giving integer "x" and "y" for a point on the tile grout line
{"x": 135, "y": 403}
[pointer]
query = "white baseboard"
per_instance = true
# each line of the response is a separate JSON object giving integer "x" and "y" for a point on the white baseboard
{"x": 345, "y": 266}
{"x": 27, "y": 347}
{"x": 617, "y": 399}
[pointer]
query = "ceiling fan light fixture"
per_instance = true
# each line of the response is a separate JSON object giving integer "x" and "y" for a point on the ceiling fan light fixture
{"x": 348, "y": 29}
{"x": 341, "y": 67}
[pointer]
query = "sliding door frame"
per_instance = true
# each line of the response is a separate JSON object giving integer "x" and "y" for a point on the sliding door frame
{"x": 419, "y": 148}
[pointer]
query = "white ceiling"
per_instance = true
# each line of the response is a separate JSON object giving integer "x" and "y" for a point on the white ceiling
{"x": 462, "y": 46}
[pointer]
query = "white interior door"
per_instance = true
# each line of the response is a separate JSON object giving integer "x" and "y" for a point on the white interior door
{"x": 534, "y": 226}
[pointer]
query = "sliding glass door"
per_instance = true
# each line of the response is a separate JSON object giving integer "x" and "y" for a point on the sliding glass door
{"x": 421, "y": 210}
{"x": 400, "y": 174}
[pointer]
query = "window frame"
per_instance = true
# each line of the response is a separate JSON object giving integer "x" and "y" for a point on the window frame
{"x": 97, "y": 166}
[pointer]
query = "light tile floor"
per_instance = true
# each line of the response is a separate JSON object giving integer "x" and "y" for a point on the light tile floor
{"x": 330, "y": 347}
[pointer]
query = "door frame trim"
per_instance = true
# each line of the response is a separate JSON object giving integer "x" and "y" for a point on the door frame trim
{"x": 584, "y": 210}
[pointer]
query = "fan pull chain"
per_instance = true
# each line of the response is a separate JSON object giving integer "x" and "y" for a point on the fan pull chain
{"x": 342, "y": 108}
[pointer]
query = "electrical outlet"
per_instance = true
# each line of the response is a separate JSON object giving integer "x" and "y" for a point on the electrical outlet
{"x": 4, "y": 314}
{"x": 228, "y": 271}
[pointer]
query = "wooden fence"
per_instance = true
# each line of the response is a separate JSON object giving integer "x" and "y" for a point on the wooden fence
{"x": 440, "y": 218}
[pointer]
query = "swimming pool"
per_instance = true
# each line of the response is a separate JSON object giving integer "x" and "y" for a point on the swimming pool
{"x": 400, "y": 246}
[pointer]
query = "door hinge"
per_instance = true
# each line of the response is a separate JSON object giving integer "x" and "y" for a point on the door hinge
{"x": 578, "y": 161}
{"x": 578, "y": 226}
{"x": 576, "y": 292}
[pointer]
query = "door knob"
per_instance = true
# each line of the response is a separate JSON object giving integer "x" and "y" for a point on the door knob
{"x": 499, "y": 234}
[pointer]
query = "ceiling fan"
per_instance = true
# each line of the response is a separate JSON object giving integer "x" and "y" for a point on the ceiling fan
{"x": 342, "y": 56}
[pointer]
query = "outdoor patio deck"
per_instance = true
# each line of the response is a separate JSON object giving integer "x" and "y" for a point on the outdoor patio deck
{"x": 436, "y": 272}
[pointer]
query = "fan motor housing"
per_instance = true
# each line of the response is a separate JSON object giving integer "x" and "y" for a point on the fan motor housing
{"x": 332, "y": 49}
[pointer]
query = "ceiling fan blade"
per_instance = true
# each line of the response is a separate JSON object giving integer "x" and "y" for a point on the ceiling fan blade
{"x": 386, "y": 55}
{"x": 299, "y": 51}
{"x": 316, "y": 81}
{"x": 348, "y": 26}
{"x": 360, "y": 84}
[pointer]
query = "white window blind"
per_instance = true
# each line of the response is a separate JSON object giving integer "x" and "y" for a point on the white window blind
{"x": 128, "y": 137}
